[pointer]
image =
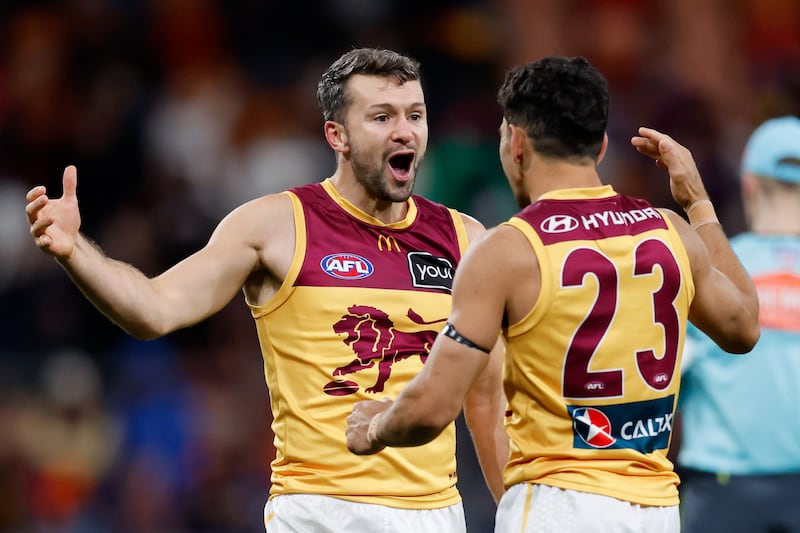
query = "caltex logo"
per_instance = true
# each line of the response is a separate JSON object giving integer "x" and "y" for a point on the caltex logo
{"x": 593, "y": 427}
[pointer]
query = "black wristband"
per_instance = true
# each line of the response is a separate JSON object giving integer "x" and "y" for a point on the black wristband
{"x": 450, "y": 331}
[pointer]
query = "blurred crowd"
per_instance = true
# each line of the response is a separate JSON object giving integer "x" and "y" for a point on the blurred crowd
{"x": 175, "y": 111}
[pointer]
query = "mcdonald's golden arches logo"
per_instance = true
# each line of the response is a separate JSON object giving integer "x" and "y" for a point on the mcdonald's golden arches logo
{"x": 389, "y": 242}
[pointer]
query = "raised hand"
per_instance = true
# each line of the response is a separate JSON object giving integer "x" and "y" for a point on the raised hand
{"x": 54, "y": 223}
{"x": 685, "y": 182}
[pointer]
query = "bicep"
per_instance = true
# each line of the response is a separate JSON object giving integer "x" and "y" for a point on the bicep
{"x": 478, "y": 303}
{"x": 717, "y": 308}
{"x": 715, "y": 304}
{"x": 204, "y": 282}
{"x": 494, "y": 271}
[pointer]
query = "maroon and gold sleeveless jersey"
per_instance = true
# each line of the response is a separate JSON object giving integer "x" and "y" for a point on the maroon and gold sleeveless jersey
{"x": 355, "y": 319}
{"x": 593, "y": 371}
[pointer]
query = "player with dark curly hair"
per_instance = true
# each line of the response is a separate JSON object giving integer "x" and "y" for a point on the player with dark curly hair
{"x": 592, "y": 291}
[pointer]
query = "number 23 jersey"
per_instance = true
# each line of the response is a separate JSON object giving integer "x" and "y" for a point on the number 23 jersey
{"x": 593, "y": 371}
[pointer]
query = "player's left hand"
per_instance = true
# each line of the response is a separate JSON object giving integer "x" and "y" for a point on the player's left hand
{"x": 358, "y": 426}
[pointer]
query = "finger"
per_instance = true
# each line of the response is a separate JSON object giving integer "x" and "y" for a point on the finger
{"x": 667, "y": 149}
{"x": 655, "y": 137}
{"x": 35, "y": 192}
{"x": 70, "y": 182}
{"x": 33, "y": 208}
{"x": 647, "y": 149}
{"x": 651, "y": 133}
{"x": 648, "y": 138}
{"x": 44, "y": 241}
{"x": 40, "y": 226}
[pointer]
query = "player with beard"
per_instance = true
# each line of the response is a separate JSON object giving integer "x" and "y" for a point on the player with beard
{"x": 348, "y": 281}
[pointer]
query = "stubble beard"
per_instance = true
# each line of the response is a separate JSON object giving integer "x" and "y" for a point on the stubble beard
{"x": 372, "y": 176}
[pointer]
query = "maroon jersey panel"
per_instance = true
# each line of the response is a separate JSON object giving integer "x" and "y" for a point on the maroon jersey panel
{"x": 591, "y": 219}
{"x": 344, "y": 251}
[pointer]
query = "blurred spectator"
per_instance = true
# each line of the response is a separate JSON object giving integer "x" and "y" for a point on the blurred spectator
{"x": 68, "y": 439}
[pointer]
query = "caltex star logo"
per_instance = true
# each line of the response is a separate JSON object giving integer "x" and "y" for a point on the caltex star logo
{"x": 593, "y": 426}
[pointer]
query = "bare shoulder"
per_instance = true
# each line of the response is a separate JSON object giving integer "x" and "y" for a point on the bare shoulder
{"x": 503, "y": 248}
{"x": 266, "y": 225}
{"x": 692, "y": 243}
{"x": 269, "y": 215}
{"x": 501, "y": 266}
{"x": 691, "y": 240}
{"x": 473, "y": 226}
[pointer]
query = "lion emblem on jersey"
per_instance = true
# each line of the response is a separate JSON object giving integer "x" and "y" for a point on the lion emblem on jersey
{"x": 373, "y": 337}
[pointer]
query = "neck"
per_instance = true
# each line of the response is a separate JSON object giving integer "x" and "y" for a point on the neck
{"x": 544, "y": 176}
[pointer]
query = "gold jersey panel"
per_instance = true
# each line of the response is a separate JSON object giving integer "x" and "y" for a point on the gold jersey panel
{"x": 355, "y": 320}
{"x": 593, "y": 372}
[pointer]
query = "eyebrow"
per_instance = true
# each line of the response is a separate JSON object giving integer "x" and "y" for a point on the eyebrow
{"x": 387, "y": 105}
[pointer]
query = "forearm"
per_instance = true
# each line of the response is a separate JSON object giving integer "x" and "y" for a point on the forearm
{"x": 116, "y": 289}
{"x": 434, "y": 398}
{"x": 485, "y": 423}
{"x": 408, "y": 422}
{"x": 704, "y": 221}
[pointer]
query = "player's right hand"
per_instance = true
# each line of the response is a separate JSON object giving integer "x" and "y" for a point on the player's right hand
{"x": 358, "y": 424}
{"x": 54, "y": 223}
{"x": 685, "y": 182}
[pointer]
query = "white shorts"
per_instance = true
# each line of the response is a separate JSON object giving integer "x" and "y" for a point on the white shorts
{"x": 312, "y": 513}
{"x": 529, "y": 508}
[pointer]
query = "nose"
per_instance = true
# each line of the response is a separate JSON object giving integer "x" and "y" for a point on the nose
{"x": 402, "y": 131}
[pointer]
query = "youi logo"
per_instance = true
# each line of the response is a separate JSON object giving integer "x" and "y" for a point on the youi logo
{"x": 346, "y": 266}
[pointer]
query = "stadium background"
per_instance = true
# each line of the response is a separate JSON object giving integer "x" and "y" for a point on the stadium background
{"x": 174, "y": 111}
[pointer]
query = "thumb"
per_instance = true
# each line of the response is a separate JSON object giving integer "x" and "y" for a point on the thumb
{"x": 70, "y": 182}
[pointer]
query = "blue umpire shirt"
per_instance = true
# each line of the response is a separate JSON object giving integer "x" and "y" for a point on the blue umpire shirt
{"x": 741, "y": 413}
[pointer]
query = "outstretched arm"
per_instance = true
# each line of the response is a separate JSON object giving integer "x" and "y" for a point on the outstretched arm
{"x": 146, "y": 308}
{"x": 434, "y": 397}
{"x": 725, "y": 305}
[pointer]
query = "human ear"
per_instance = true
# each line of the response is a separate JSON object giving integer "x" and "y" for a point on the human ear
{"x": 336, "y": 135}
{"x": 519, "y": 140}
{"x": 603, "y": 148}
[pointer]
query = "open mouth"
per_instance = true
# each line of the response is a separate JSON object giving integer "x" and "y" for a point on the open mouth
{"x": 400, "y": 164}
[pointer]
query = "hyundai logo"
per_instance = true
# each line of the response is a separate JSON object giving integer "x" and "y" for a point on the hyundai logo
{"x": 558, "y": 224}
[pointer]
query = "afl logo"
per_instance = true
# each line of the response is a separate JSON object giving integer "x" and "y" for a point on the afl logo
{"x": 593, "y": 427}
{"x": 559, "y": 224}
{"x": 346, "y": 266}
